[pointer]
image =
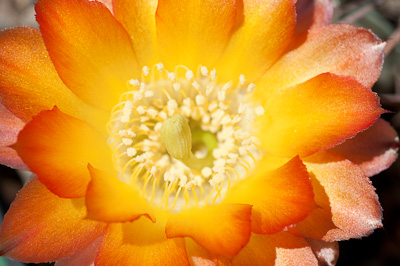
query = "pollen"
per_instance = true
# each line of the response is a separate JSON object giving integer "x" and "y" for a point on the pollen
{"x": 177, "y": 169}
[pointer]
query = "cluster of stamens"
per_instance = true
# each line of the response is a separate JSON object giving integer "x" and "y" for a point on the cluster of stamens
{"x": 219, "y": 116}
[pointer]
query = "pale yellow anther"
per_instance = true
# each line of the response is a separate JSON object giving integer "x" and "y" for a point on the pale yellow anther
{"x": 134, "y": 82}
{"x": 251, "y": 87}
{"x": 189, "y": 74}
{"x": 242, "y": 79}
{"x": 160, "y": 66}
{"x": 146, "y": 70}
{"x": 213, "y": 74}
{"x": 204, "y": 70}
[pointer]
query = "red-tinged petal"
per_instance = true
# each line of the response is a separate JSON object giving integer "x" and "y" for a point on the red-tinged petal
{"x": 10, "y": 126}
{"x": 108, "y": 199}
{"x": 139, "y": 19}
{"x": 83, "y": 257}
{"x": 316, "y": 115}
{"x": 278, "y": 249}
{"x": 339, "y": 49}
{"x": 41, "y": 227}
{"x": 91, "y": 51}
{"x": 294, "y": 251}
{"x": 58, "y": 147}
{"x": 198, "y": 256}
{"x": 319, "y": 221}
{"x": 279, "y": 198}
{"x": 223, "y": 229}
{"x": 374, "y": 149}
{"x": 327, "y": 253}
{"x": 28, "y": 81}
{"x": 349, "y": 197}
{"x": 140, "y": 243}
{"x": 193, "y": 32}
{"x": 256, "y": 41}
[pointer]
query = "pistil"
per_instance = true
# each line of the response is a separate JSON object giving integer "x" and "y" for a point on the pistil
{"x": 177, "y": 139}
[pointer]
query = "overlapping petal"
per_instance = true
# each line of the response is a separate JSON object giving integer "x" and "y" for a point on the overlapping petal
{"x": 313, "y": 13}
{"x": 278, "y": 249}
{"x": 374, "y": 149}
{"x": 198, "y": 256}
{"x": 316, "y": 115}
{"x": 339, "y": 49}
{"x": 10, "y": 125}
{"x": 327, "y": 253}
{"x": 29, "y": 82}
{"x": 310, "y": 14}
{"x": 279, "y": 198}
{"x": 110, "y": 200}
{"x": 38, "y": 219}
{"x": 222, "y": 229}
{"x": 83, "y": 257}
{"x": 193, "y": 32}
{"x": 140, "y": 243}
{"x": 138, "y": 18}
{"x": 256, "y": 41}
{"x": 349, "y": 206}
{"x": 58, "y": 147}
{"x": 91, "y": 51}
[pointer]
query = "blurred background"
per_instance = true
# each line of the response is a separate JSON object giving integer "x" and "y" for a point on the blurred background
{"x": 382, "y": 248}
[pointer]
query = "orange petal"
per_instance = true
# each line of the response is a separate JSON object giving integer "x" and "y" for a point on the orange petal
{"x": 279, "y": 198}
{"x": 140, "y": 243}
{"x": 316, "y": 115}
{"x": 339, "y": 49}
{"x": 223, "y": 229}
{"x": 278, "y": 249}
{"x": 83, "y": 257}
{"x": 28, "y": 81}
{"x": 319, "y": 221}
{"x": 352, "y": 200}
{"x": 198, "y": 256}
{"x": 90, "y": 50}
{"x": 10, "y": 126}
{"x": 193, "y": 32}
{"x": 110, "y": 200}
{"x": 374, "y": 149}
{"x": 257, "y": 41}
{"x": 293, "y": 251}
{"x": 58, "y": 147}
{"x": 139, "y": 19}
{"x": 327, "y": 253}
{"x": 108, "y": 4}
{"x": 38, "y": 219}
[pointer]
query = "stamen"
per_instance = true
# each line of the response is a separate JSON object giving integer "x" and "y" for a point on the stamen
{"x": 202, "y": 154}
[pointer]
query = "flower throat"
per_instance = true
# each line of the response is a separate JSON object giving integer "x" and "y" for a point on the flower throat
{"x": 183, "y": 139}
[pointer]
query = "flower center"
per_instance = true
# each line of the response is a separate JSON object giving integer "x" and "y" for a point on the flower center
{"x": 183, "y": 139}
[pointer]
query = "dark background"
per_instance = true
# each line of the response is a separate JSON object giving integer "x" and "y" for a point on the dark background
{"x": 382, "y": 248}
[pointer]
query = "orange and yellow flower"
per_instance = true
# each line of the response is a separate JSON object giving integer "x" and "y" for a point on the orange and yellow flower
{"x": 170, "y": 132}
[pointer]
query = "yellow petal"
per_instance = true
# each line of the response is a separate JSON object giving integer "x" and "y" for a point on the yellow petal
{"x": 110, "y": 200}
{"x": 261, "y": 33}
{"x": 193, "y": 32}
{"x": 139, "y": 19}
{"x": 223, "y": 229}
